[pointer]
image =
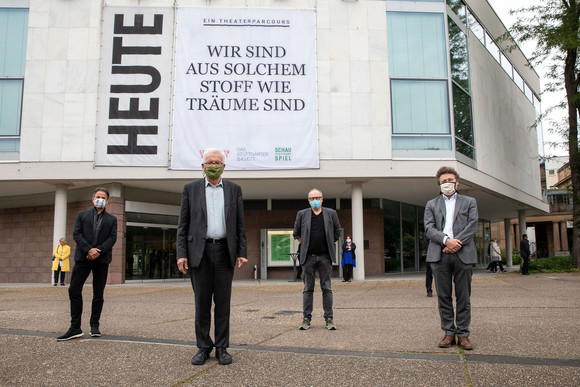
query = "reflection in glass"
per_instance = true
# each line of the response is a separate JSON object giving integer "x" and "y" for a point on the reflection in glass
{"x": 458, "y": 55}
{"x": 10, "y": 106}
{"x": 476, "y": 28}
{"x": 409, "y": 236}
{"x": 458, "y": 7}
{"x": 462, "y": 115}
{"x": 464, "y": 149}
{"x": 420, "y": 107}
{"x": 416, "y": 44}
{"x": 392, "y": 232}
{"x": 507, "y": 66}
{"x": 421, "y": 143}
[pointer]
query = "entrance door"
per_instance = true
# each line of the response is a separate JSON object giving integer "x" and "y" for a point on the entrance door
{"x": 151, "y": 253}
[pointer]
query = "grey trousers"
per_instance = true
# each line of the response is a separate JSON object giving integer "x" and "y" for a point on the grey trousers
{"x": 449, "y": 271}
{"x": 323, "y": 264}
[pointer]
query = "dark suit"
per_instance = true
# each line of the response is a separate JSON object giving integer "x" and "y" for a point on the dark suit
{"x": 212, "y": 265}
{"x": 525, "y": 254}
{"x": 323, "y": 263}
{"x": 449, "y": 269}
{"x": 84, "y": 234}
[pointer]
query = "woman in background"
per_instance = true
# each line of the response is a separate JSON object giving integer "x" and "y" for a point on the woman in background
{"x": 348, "y": 259}
{"x": 60, "y": 263}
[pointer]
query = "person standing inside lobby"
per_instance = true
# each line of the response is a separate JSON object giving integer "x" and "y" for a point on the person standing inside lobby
{"x": 451, "y": 222}
{"x": 95, "y": 234}
{"x": 317, "y": 229}
{"x": 60, "y": 263}
{"x": 211, "y": 239}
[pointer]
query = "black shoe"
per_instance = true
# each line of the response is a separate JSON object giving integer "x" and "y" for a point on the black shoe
{"x": 201, "y": 356}
{"x": 429, "y": 293}
{"x": 54, "y": 284}
{"x": 95, "y": 332}
{"x": 223, "y": 356}
{"x": 70, "y": 334}
{"x": 60, "y": 285}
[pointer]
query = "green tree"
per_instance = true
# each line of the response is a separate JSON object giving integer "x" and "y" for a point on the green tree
{"x": 554, "y": 27}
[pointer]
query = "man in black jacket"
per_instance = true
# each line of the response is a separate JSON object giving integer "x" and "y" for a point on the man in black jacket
{"x": 95, "y": 233}
{"x": 525, "y": 253}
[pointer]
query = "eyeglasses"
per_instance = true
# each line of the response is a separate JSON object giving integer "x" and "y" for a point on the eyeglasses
{"x": 315, "y": 198}
{"x": 213, "y": 164}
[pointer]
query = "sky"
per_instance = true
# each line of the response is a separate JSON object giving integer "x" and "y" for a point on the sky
{"x": 502, "y": 8}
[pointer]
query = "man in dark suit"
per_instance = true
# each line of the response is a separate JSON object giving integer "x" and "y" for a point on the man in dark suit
{"x": 95, "y": 233}
{"x": 317, "y": 229}
{"x": 211, "y": 239}
{"x": 450, "y": 225}
{"x": 525, "y": 254}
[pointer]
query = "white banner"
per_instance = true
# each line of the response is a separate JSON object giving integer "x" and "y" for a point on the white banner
{"x": 245, "y": 82}
{"x": 135, "y": 87}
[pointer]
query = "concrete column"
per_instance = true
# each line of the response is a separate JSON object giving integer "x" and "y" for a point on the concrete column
{"x": 522, "y": 222}
{"x": 556, "y": 234}
{"x": 564, "y": 236}
{"x": 60, "y": 207}
{"x": 358, "y": 230}
{"x": 508, "y": 242}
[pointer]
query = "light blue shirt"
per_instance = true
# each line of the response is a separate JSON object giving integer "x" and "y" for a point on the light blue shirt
{"x": 216, "y": 215}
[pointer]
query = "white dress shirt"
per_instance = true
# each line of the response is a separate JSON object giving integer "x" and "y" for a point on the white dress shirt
{"x": 449, "y": 216}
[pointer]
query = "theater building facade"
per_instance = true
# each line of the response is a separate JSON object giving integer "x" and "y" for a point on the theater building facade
{"x": 363, "y": 100}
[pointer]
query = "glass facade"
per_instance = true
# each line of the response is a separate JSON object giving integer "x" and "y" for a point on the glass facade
{"x": 151, "y": 253}
{"x": 404, "y": 234}
{"x": 419, "y": 75}
{"x": 13, "y": 38}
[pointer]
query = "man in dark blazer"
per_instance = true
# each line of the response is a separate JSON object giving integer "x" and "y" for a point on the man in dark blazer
{"x": 317, "y": 229}
{"x": 525, "y": 254}
{"x": 450, "y": 225}
{"x": 211, "y": 239}
{"x": 95, "y": 233}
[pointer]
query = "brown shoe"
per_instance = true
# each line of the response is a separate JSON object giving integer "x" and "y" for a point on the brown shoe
{"x": 465, "y": 343}
{"x": 447, "y": 342}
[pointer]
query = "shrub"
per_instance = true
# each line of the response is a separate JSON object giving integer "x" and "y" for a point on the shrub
{"x": 553, "y": 265}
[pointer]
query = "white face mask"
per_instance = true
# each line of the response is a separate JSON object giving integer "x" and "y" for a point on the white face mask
{"x": 447, "y": 189}
{"x": 348, "y": 240}
{"x": 99, "y": 203}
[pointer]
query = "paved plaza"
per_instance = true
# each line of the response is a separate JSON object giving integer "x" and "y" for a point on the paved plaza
{"x": 525, "y": 329}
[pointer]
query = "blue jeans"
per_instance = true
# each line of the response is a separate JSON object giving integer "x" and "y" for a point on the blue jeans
{"x": 323, "y": 264}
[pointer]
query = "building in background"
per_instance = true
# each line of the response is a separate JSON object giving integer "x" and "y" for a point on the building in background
{"x": 363, "y": 100}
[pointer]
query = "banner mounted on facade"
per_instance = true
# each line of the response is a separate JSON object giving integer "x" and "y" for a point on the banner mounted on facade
{"x": 135, "y": 87}
{"x": 245, "y": 82}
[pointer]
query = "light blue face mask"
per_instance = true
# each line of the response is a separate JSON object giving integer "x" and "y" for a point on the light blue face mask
{"x": 315, "y": 204}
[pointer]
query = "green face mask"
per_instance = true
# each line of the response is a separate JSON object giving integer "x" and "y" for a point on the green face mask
{"x": 213, "y": 173}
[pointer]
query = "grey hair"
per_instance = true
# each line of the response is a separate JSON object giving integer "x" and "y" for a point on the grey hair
{"x": 209, "y": 151}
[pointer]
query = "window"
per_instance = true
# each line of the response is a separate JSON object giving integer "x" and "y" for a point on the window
{"x": 419, "y": 81}
{"x": 458, "y": 8}
{"x": 551, "y": 172}
{"x": 416, "y": 43}
{"x": 420, "y": 107}
{"x": 458, "y": 55}
{"x": 13, "y": 37}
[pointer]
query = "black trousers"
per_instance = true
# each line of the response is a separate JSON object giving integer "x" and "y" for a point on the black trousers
{"x": 347, "y": 272}
{"x": 80, "y": 273}
{"x": 526, "y": 265}
{"x": 213, "y": 280}
{"x": 429, "y": 278}
{"x": 56, "y": 275}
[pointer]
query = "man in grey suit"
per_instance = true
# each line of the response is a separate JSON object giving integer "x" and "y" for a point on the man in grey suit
{"x": 450, "y": 225}
{"x": 211, "y": 239}
{"x": 317, "y": 229}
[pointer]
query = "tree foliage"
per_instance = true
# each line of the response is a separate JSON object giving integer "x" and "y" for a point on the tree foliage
{"x": 554, "y": 28}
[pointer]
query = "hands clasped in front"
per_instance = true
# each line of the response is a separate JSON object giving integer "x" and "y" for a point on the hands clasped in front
{"x": 93, "y": 254}
{"x": 452, "y": 246}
